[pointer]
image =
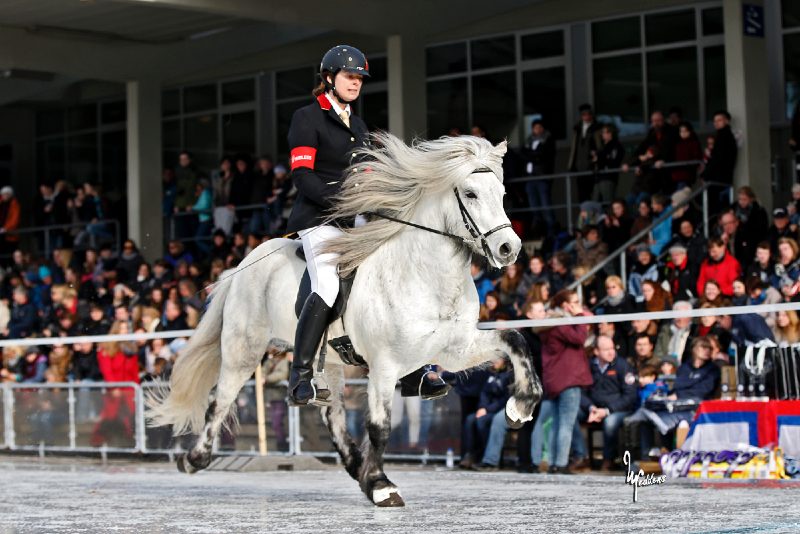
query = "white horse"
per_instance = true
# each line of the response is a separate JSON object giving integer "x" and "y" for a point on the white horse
{"x": 413, "y": 301}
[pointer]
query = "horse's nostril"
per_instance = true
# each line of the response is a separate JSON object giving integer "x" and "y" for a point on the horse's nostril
{"x": 505, "y": 249}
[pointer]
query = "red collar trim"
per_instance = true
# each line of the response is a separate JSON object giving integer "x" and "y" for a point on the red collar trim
{"x": 324, "y": 103}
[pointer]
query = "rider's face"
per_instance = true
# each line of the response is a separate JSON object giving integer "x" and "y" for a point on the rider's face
{"x": 348, "y": 85}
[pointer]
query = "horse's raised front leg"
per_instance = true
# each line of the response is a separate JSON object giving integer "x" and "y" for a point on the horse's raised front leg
{"x": 335, "y": 419}
{"x": 527, "y": 388}
{"x": 374, "y": 483}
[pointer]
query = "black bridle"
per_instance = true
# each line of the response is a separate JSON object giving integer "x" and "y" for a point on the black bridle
{"x": 469, "y": 223}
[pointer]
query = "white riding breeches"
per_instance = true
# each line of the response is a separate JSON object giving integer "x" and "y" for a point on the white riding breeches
{"x": 322, "y": 268}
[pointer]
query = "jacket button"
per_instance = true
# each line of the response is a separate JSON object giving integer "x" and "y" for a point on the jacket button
{"x": 352, "y": 138}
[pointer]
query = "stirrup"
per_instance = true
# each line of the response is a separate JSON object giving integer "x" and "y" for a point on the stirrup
{"x": 323, "y": 400}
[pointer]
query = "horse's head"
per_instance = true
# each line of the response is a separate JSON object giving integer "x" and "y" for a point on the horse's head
{"x": 478, "y": 203}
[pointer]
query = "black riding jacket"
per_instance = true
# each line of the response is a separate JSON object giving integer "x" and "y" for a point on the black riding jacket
{"x": 321, "y": 146}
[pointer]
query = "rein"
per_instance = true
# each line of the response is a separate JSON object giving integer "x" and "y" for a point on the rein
{"x": 469, "y": 223}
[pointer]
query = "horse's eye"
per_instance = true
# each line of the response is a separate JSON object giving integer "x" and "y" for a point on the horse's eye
{"x": 470, "y": 194}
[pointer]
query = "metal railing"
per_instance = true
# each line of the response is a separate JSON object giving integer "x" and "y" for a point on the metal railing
{"x": 48, "y": 230}
{"x": 210, "y": 212}
{"x": 570, "y": 205}
{"x": 621, "y": 252}
{"x": 110, "y": 417}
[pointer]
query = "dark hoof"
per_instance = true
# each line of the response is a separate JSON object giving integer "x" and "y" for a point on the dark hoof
{"x": 184, "y": 466}
{"x": 393, "y": 500}
{"x": 513, "y": 425}
{"x": 514, "y": 419}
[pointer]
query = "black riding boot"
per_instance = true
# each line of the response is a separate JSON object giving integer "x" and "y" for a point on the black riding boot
{"x": 310, "y": 328}
{"x": 418, "y": 384}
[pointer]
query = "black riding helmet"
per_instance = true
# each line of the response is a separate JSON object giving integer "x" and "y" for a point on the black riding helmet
{"x": 342, "y": 57}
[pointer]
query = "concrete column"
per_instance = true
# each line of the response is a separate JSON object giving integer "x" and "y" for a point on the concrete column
{"x": 747, "y": 77}
{"x": 408, "y": 107}
{"x": 144, "y": 167}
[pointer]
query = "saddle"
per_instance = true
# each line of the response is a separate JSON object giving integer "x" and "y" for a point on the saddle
{"x": 341, "y": 345}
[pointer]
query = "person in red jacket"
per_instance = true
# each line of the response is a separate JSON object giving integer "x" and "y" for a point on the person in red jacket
{"x": 719, "y": 266}
{"x": 118, "y": 362}
{"x": 565, "y": 370}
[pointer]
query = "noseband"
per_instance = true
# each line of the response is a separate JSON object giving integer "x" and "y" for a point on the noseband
{"x": 469, "y": 223}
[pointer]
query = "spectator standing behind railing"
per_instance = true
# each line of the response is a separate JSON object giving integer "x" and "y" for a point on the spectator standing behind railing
{"x": 186, "y": 176}
{"x": 721, "y": 162}
{"x": 586, "y": 138}
{"x": 539, "y": 155}
{"x": 9, "y": 221}
{"x": 687, "y": 148}
{"x": 649, "y": 157}
{"x": 609, "y": 156}
{"x": 221, "y": 181}
{"x": 202, "y": 207}
{"x": 91, "y": 210}
{"x": 282, "y": 186}
{"x": 261, "y": 191}
{"x": 616, "y": 227}
{"x": 662, "y": 232}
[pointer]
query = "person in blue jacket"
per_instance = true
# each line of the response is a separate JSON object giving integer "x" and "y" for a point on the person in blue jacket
{"x": 494, "y": 395}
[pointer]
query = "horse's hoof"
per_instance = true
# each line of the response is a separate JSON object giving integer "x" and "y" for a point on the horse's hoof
{"x": 514, "y": 419}
{"x": 184, "y": 466}
{"x": 387, "y": 498}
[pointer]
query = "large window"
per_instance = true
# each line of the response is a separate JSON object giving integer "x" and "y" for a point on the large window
{"x": 661, "y": 60}
{"x": 210, "y": 120}
{"x": 499, "y": 83}
{"x": 791, "y": 54}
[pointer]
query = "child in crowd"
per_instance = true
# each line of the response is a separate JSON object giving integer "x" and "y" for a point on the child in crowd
{"x": 649, "y": 384}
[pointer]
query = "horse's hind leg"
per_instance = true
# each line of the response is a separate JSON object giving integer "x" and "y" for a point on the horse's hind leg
{"x": 233, "y": 375}
{"x": 336, "y": 421}
{"x": 374, "y": 483}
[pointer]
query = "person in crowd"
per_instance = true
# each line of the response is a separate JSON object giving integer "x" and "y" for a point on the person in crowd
{"x": 84, "y": 367}
{"x": 565, "y": 371}
{"x": 787, "y": 264}
{"x": 747, "y": 329}
{"x": 780, "y": 228}
{"x": 129, "y": 262}
{"x": 719, "y": 266}
{"x": 187, "y": 176}
{"x": 739, "y": 293}
{"x": 696, "y": 380}
{"x": 482, "y": 281}
{"x": 9, "y": 221}
{"x": 276, "y": 371}
{"x": 560, "y": 276}
{"x": 611, "y": 398}
{"x": 24, "y": 319}
{"x": 759, "y": 292}
{"x": 787, "y": 327}
{"x": 695, "y": 244}
{"x": 642, "y": 221}
{"x": 616, "y": 225}
{"x": 687, "y": 149}
{"x": 261, "y": 191}
{"x": 507, "y": 286}
{"x": 656, "y": 298}
{"x": 643, "y": 352}
{"x": 721, "y": 162}
{"x": 714, "y": 325}
{"x": 176, "y": 252}
{"x": 713, "y": 296}
{"x": 586, "y": 139}
{"x": 763, "y": 267}
{"x": 645, "y": 268}
{"x": 282, "y": 186}
{"x": 589, "y": 248}
{"x": 494, "y": 395}
{"x": 536, "y": 273}
{"x": 662, "y": 232}
{"x": 492, "y": 310}
{"x": 539, "y": 156}
{"x": 674, "y": 337}
{"x": 608, "y": 156}
{"x": 221, "y": 181}
{"x": 499, "y": 425}
{"x": 617, "y": 299}
{"x": 751, "y": 215}
{"x": 468, "y": 386}
{"x": 683, "y": 209}
{"x": 741, "y": 245}
{"x": 203, "y": 208}
{"x": 681, "y": 274}
{"x": 657, "y": 148}
{"x": 32, "y": 366}
{"x": 539, "y": 291}
{"x": 650, "y": 385}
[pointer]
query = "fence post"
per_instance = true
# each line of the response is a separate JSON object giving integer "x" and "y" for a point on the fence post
{"x": 73, "y": 433}
{"x": 623, "y": 266}
{"x": 294, "y": 431}
{"x": 8, "y": 417}
{"x": 705, "y": 212}
{"x": 141, "y": 442}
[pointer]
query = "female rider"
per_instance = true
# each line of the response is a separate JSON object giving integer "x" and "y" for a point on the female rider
{"x": 322, "y": 137}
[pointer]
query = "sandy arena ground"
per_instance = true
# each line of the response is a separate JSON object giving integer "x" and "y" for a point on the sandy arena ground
{"x": 81, "y": 495}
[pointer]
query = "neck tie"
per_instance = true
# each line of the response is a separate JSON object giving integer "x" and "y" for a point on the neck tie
{"x": 345, "y": 118}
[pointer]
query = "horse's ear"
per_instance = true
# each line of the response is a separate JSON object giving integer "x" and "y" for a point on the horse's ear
{"x": 501, "y": 148}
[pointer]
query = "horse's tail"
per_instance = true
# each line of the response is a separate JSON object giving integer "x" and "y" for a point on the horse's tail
{"x": 184, "y": 401}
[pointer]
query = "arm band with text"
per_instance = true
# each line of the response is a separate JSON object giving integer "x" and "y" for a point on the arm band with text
{"x": 303, "y": 156}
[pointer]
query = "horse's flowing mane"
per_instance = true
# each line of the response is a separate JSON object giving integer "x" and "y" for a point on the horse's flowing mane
{"x": 392, "y": 178}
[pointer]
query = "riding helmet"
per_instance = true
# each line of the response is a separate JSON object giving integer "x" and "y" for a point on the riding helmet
{"x": 343, "y": 57}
